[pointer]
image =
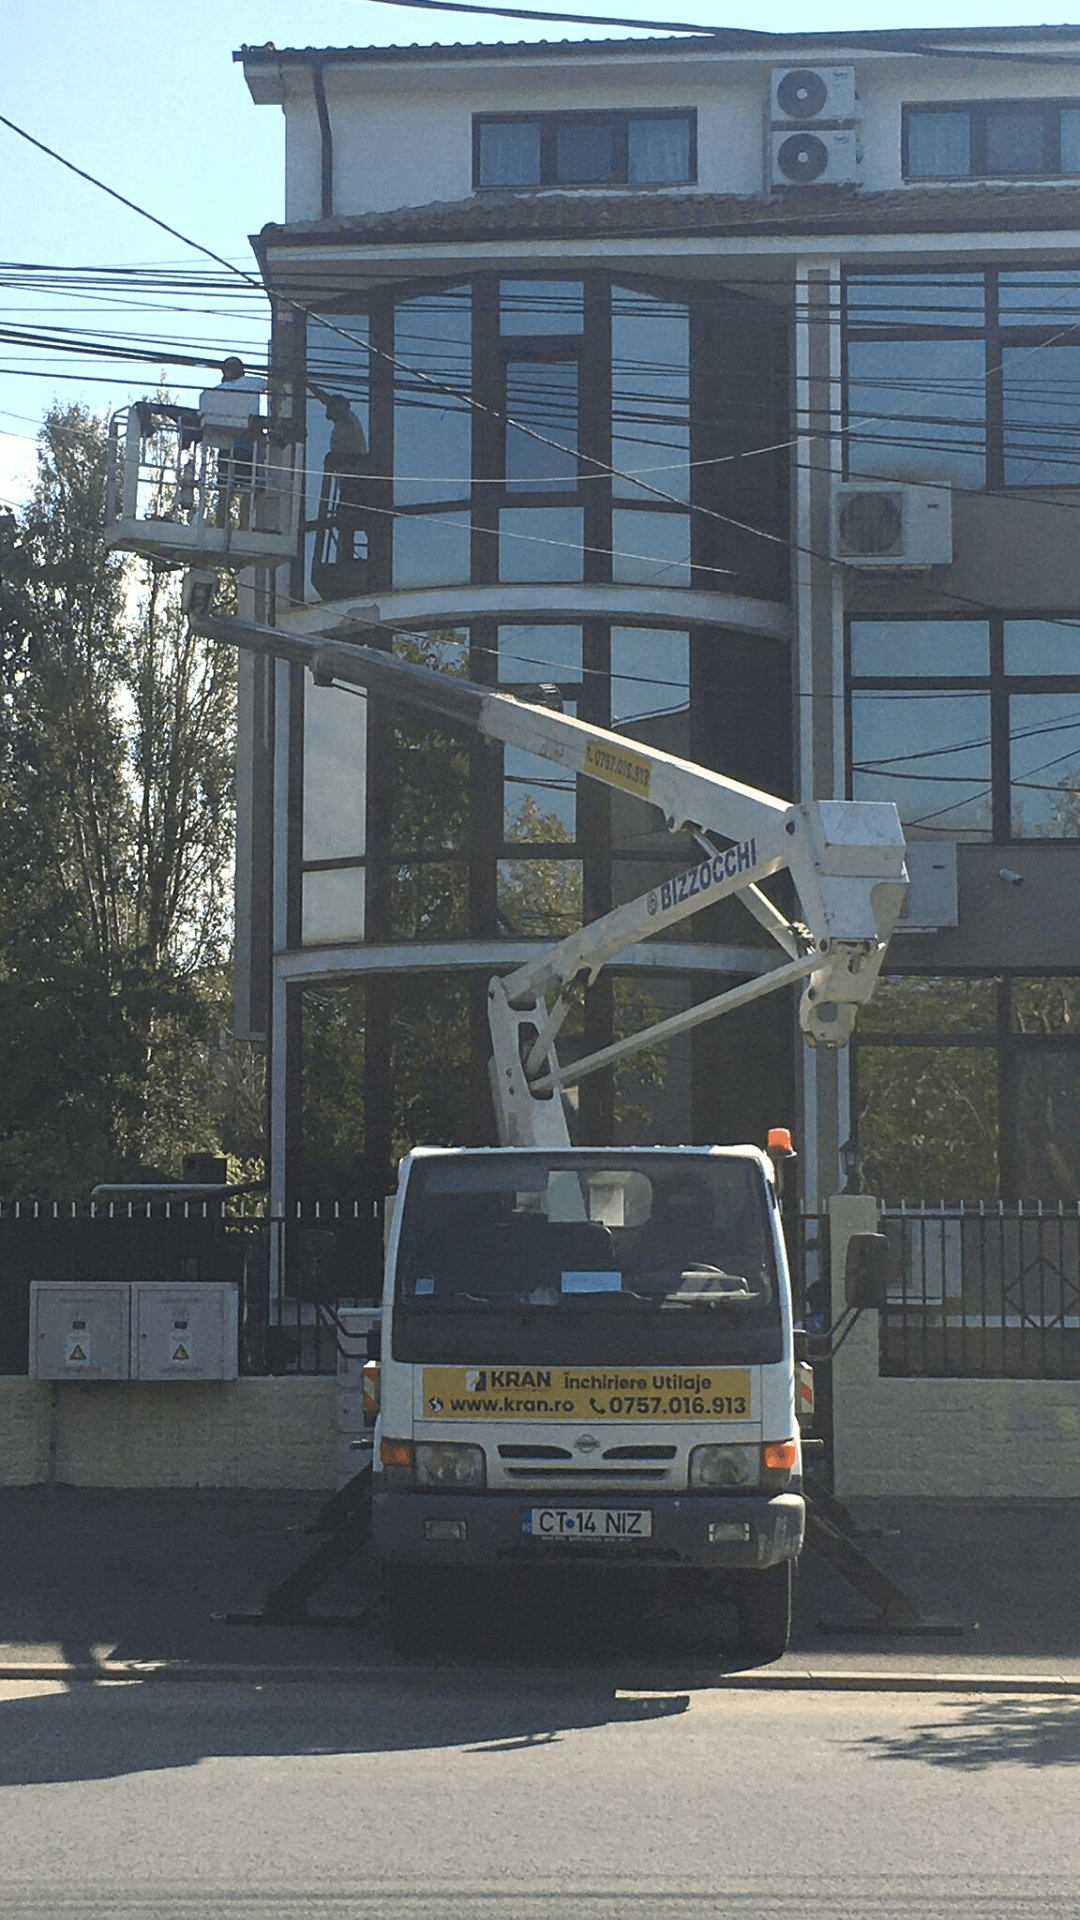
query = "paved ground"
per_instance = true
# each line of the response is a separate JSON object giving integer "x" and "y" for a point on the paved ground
{"x": 138, "y": 1577}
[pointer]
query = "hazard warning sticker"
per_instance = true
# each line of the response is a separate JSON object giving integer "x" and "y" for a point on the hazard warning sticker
{"x": 180, "y": 1345}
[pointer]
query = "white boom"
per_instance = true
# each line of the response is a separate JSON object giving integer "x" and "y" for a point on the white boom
{"x": 845, "y": 858}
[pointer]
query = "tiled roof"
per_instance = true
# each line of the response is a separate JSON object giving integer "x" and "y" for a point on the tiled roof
{"x": 814, "y": 210}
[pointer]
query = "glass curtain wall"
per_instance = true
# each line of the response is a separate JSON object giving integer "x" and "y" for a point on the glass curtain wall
{"x": 968, "y": 1089}
{"x": 970, "y": 378}
{"x": 522, "y": 430}
{"x": 526, "y": 430}
{"x": 972, "y": 727}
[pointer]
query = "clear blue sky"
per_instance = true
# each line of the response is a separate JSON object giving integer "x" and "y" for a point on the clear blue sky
{"x": 145, "y": 95}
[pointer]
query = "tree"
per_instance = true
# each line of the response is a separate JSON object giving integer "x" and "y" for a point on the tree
{"x": 115, "y": 829}
{"x": 928, "y": 1113}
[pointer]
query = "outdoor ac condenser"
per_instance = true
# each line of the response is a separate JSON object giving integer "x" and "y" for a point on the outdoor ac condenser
{"x": 815, "y": 157}
{"x": 802, "y": 95}
{"x": 879, "y": 524}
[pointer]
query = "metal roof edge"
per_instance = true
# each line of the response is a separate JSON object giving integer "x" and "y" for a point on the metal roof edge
{"x": 725, "y": 40}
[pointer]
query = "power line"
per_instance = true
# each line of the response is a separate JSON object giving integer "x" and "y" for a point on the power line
{"x": 734, "y": 38}
{"x": 466, "y": 398}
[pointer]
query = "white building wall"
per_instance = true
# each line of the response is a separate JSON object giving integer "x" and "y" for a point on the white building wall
{"x": 422, "y": 116}
{"x": 303, "y": 152}
{"x": 429, "y": 131}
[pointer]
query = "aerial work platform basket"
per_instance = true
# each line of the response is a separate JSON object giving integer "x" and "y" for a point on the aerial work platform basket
{"x": 184, "y": 494}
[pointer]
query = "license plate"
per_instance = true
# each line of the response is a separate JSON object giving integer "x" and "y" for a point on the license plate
{"x": 587, "y": 1523}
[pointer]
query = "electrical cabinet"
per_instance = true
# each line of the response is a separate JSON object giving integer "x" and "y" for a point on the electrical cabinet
{"x": 79, "y": 1330}
{"x": 146, "y": 1330}
{"x": 183, "y": 1332}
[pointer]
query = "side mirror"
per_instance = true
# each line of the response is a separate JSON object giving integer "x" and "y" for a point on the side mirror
{"x": 867, "y": 1270}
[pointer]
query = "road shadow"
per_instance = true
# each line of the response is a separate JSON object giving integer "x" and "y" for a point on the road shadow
{"x": 101, "y": 1732}
{"x": 1032, "y": 1732}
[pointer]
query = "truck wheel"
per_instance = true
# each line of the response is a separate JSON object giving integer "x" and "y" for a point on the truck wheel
{"x": 411, "y": 1597}
{"x": 763, "y": 1608}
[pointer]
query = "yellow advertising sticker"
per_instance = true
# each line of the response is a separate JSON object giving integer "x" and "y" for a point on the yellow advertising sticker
{"x": 619, "y": 767}
{"x": 586, "y": 1393}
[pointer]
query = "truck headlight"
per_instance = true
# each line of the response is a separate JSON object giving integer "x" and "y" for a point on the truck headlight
{"x": 720, "y": 1468}
{"x": 441, "y": 1463}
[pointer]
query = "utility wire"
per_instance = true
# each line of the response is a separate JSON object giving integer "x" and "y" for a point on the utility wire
{"x": 735, "y": 37}
{"x": 466, "y": 399}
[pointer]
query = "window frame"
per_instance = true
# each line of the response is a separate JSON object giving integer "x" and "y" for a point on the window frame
{"x": 549, "y": 124}
{"x": 979, "y": 113}
{"x": 998, "y": 329}
{"x": 999, "y": 687}
{"x": 1000, "y": 1039}
{"x": 718, "y": 427}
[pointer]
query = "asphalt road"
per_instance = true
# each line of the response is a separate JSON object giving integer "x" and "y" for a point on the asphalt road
{"x": 510, "y": 1799}
{"x": 143, "y": 1579}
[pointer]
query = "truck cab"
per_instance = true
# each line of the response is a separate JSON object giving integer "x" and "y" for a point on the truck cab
{"x": 587, "y": 1356}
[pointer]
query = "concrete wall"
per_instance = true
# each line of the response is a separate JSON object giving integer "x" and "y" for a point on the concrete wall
{"x": 230, "y": 1433}
{"x": 950, "y": 1439}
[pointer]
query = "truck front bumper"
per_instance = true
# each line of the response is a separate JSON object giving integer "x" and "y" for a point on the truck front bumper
{"x": 693, "y": 1530}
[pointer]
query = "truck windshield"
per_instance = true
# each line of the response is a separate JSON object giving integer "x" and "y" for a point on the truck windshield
{"x": 587, "y": 1257}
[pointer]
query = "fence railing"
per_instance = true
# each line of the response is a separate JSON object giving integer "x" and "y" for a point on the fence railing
{"x": 980, "y": 1292}
{"x": 983, "y": 1292}
{"x": 291, "y": 1270}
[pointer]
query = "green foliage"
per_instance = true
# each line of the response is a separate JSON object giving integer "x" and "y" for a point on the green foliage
{"x": 115, "y": 839}
{"x": 928, "y": 1113}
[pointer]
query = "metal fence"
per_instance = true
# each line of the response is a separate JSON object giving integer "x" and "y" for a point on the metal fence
{"x": 980, "y": 1292}
{"x": 291, "y": 1270}
{"x": 983, "y": 1292}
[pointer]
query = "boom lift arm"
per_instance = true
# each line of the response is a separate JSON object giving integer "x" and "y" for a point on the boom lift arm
{"x": 845, "y": 858}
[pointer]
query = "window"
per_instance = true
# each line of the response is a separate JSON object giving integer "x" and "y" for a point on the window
{"x": 992, "y": 139}
{"x": 968, "y": 378}
{"x": 967, "y": 1088}
{"x": 522, "y": 429}
{"x": 972, "y": 727}
{"x": 585, "y": 150}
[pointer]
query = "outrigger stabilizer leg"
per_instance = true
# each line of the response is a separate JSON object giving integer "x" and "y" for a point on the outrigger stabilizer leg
{"x": 897, "y": 1614}
{"x": 345, "y": 1521}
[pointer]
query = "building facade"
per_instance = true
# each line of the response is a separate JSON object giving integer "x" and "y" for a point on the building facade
{"x": 735, "y": 394}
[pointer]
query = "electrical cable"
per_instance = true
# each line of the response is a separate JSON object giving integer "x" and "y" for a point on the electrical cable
{"x": 467, "y": 399}
{"x": 734, "y": 38}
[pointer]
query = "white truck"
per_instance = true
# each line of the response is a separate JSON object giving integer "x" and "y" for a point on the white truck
{"x": 587, "y": 1354}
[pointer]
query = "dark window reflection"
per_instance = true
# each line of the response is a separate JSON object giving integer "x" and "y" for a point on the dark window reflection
{"x": 1016, "y": 140}
{"x": 928, "y": 1122}
{"x": 542, "y": 408}
{"x": 586, "y": 151}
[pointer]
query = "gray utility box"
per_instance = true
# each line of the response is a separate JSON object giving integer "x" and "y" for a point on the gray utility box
{"x": 80, "y": 1330}
{"x": 146, "y": 1330}
{"x": 183, "y": 1332}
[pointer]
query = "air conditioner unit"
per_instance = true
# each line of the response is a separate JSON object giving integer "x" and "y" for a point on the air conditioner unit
{"x": 825, "y": 157}
{"x": 892, "y": 526}
{"x": 799, "y": 95}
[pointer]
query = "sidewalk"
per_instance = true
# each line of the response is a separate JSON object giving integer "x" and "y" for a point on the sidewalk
{"x": 91, "y": 1577}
